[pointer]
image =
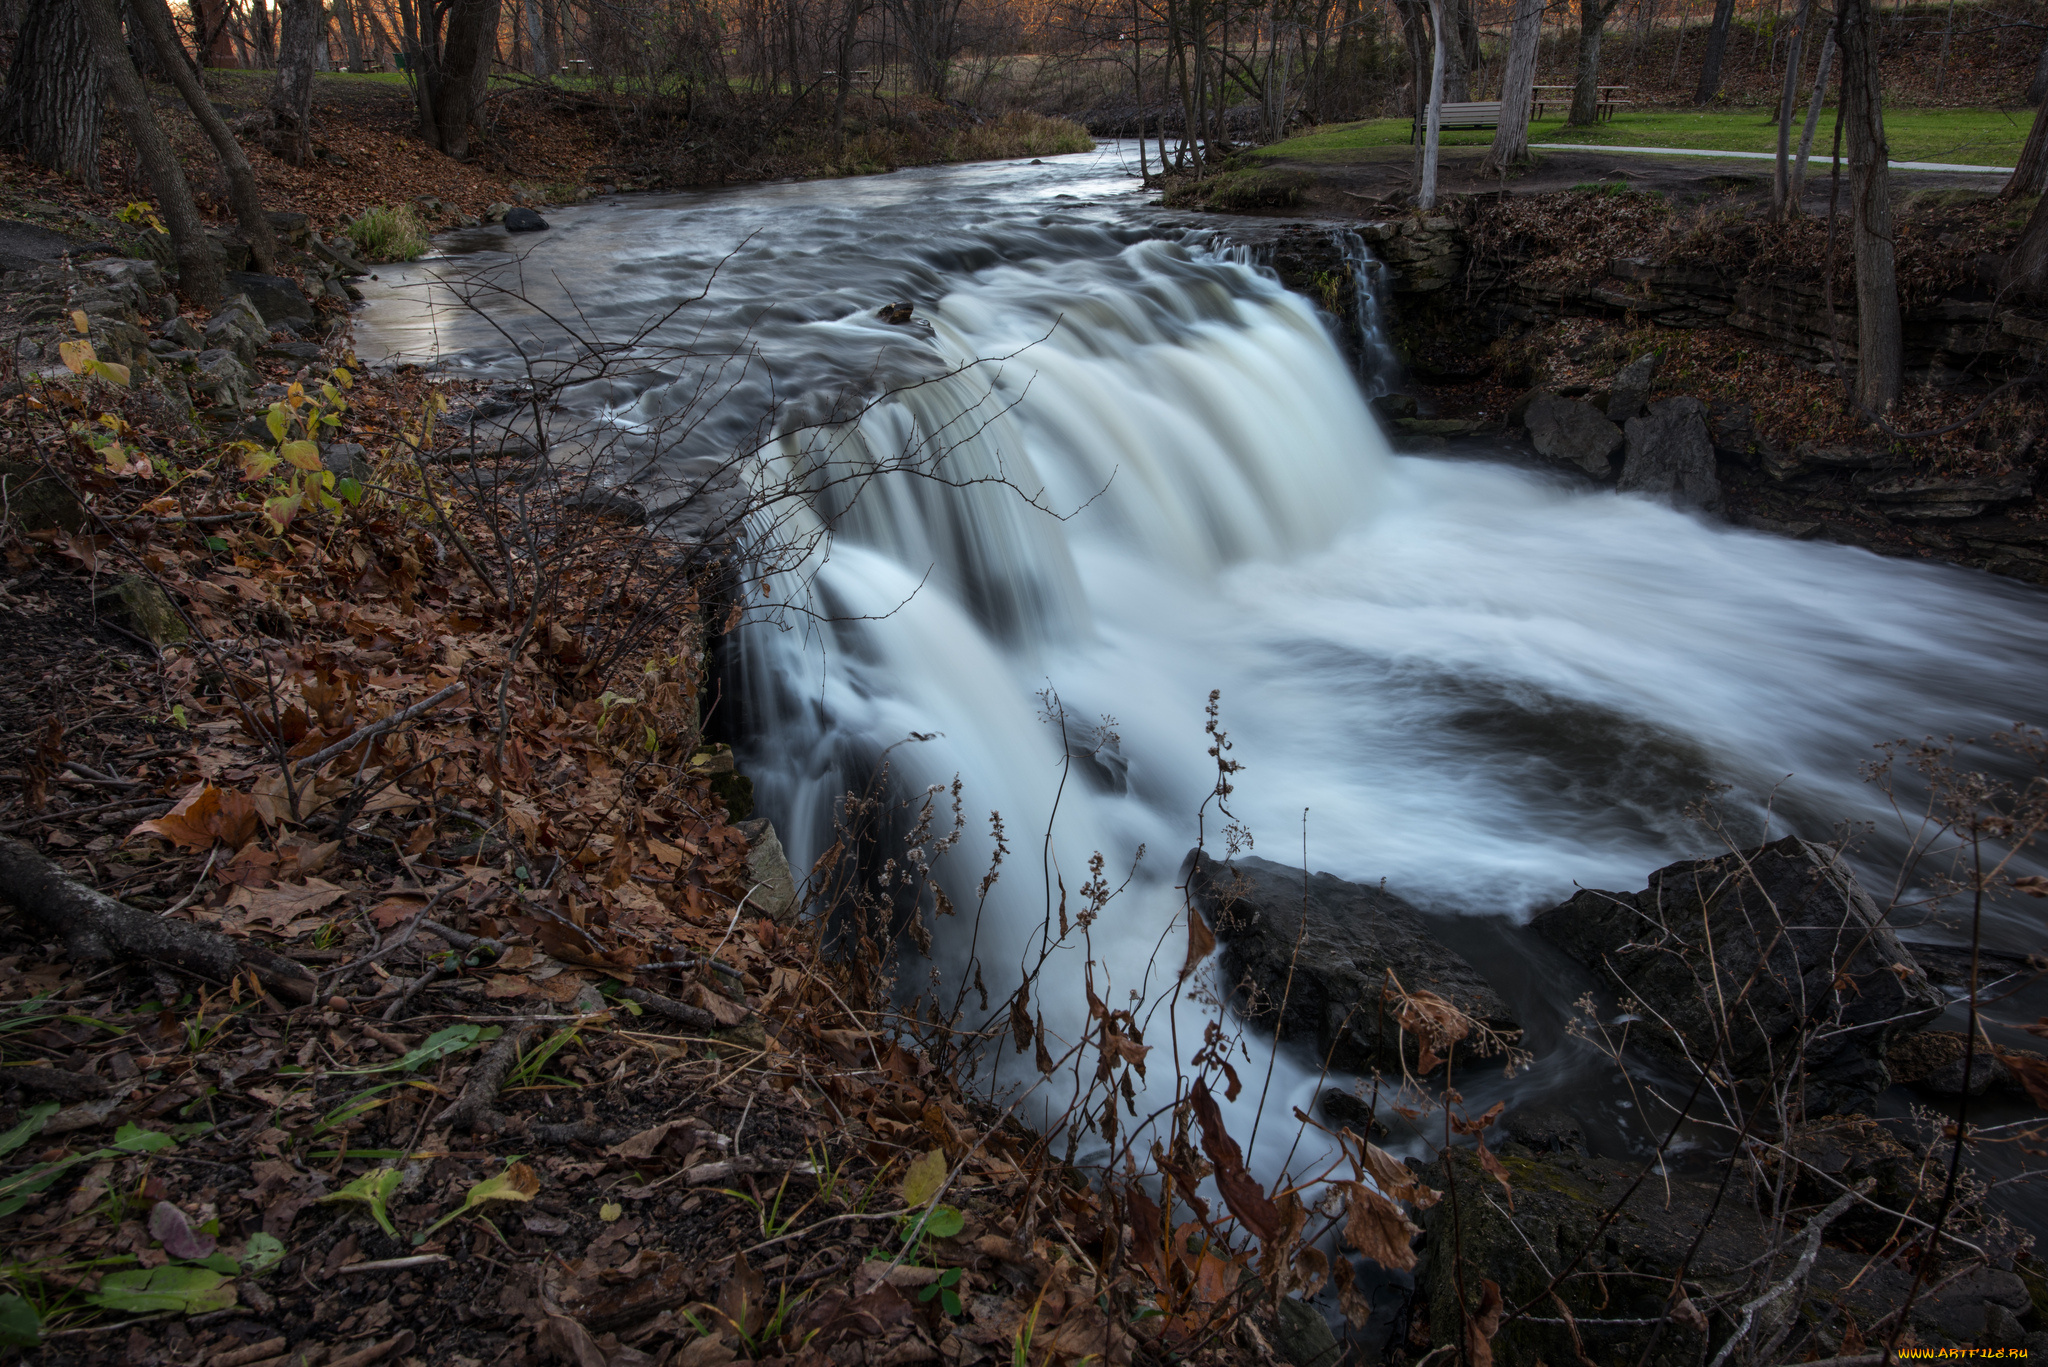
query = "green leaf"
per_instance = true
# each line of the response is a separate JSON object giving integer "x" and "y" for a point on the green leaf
{"x": 214, "y": 543}
{"x": 261, "y": 1253}
{"x": 277, "y": 421}
{"x": 132, "y": 1138}
{"x": 222, "y": 1263}
{"x": 945, "y": 1223}
{"x": 351, "y": 491}
{"x": 440, "y": 1044}
{"x": 20, "y": 1325}
{"x": 302, "y": 454}
{"x": 924, "y": 1179}
{"x": 31, "y": 1125}
{"x": 144, "y": 1291}
{"x": 516, "y": 1183}
{"x": 372, "y": 1189}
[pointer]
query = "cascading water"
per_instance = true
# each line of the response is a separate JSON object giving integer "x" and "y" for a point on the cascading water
{"x": 1480, "y": 683}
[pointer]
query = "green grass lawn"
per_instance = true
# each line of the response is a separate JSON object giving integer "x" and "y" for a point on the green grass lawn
{"x": 1971, "y": 137}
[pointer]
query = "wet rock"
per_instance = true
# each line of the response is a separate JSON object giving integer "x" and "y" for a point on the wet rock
{"x": 1932, "y": 1060}
{"x": 346, "y": 458}
{"x": 272, "y": 296}
{"x": 1338, "y": 963}
{"x": 524, "y": 221}
{"x": 1395, "y": 406}
{"x": 1445, "y": 427}
{"x": 896, "y": 313}
{"x": 1929, "y": 497}
{"x": 768, "y": 868}
{"x": 143, "y": 608}
{"x": 1543, "y": 1127}
{"x": 1632, "y": 387}
{"x": 1345, "y": 1111}
{"x": 37, "y": 502}
{"x": 1303, "y": 1336}
{"x": 1670, "y": 458}
{"x": 1789, "y": 920}
{"x": 609, "y": 505}
{"x": 1573, "y": 431}
{"x": 339, "y": 256}
{"x": 1844, "y": 1151}
{"x": 1808, "y": 459}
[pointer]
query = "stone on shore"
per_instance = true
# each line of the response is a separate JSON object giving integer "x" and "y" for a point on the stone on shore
{"x": 1573, "y": 431}
{"x": 1670, "y": 456}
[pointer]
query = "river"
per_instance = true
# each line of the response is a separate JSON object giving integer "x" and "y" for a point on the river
{"x": 1483, "y": 683}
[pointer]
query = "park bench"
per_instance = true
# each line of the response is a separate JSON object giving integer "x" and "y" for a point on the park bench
{"x": 1604, "y": 107}
{"x": 1471, "y": 114}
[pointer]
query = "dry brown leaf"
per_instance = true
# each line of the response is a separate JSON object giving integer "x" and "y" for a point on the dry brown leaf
{"x": 1493, "y": 1169}
{"x": 1483, "y": 1324}
{"x": 278, "y": 906}
{"x": 1376, "y": 1227}
{"x": 1241, "y": 1191}
{"x": 204, "y": 815}
{"x": 1397, "y": 1179}
{"x": 1201, "y": 941}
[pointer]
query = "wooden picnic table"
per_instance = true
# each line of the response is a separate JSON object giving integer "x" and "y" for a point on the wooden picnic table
{"x": 1609, "y": 99}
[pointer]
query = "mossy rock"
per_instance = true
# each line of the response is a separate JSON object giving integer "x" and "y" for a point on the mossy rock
{"x": 144, "y": 608}
{"x": 37, "y": 502}
{"x": 1239, "y": 190}
{"x": 736, "y": 791}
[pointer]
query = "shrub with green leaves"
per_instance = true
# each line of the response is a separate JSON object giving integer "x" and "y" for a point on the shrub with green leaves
{"x": 384, "y": 234}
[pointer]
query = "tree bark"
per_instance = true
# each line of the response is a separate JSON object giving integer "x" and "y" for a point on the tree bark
{"x": 1586, "y": 91}
{"x": 2030, "y": 173}
{"x": 540, "y": 50}
{"x": 465, "y": 62}
{"x": 1782, "y": 207}
{"x": 1717, "y": 48}
{"x": 1457, "y": 72}
{"x": 1517, "y": 92}
{"x": 1880, "y": 345}
{"x": 1425, "y": 196}
{"x": 50, "y": 108}
{"x": 199, "y": 277}
{"x": 1820, "y": 90}
{"x": 2037, "y": 89}
{"x": 291, "y": 99}
{"x": 96, "y": 927}
{"x": 2026, "y": 272}
{"x": 351, "y": 38}
{"x": 154, "y": 18}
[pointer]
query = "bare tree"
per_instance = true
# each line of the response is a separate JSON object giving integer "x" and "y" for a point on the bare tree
{"x": 1820, "y": 89}
{"x": 1880, "y": 345}
{"x": 291, "y": 99}
{"x": 1425, "y": 195}
{"x": 154, "y": 19}
{"x": 1593, "y": 15}
{"x": 1517, "y": 90}
{"x": 2030, "y": 172}
{"x": 1783, "y": 205}
{"x": 2037, "y": 89}
{"x": 199, "y": 277}
{"x": 50, "y": 108}
{"x": 1717, "y": 48}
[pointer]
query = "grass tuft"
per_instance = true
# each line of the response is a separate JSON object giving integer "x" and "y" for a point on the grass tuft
{"x": 385, "y": 234}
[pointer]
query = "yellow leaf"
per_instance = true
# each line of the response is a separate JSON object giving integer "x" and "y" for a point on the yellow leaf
{"x": 342, "y": 377}
{"x": 277, "y": 421}
{"x": 78, "y": 320}
{"x": 111, "y": 373}
{"x": 256, "y": 462}
{"x": 303, "y": 454}
{"x": 77, "y": 355}
{"x": 610, "y": 1211}
{"x": 924, "y": 1179}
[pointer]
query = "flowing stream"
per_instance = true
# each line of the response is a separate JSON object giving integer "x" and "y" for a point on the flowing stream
{"x": 1481, "y": 683}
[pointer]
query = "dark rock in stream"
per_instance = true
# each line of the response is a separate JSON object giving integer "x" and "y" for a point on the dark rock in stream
{"x": 524, "y": 221}
{"x": 1619, "y": 1291}
{"x": 1632, "y": 387}
{"x": 1671, "y": 458}
{"x": 1355, "y": 936}
{"x": 1573, "y": 431}
{"x": 1788, "y": 921}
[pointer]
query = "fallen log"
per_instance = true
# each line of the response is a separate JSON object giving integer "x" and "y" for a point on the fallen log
{"x": 98, "y": 928}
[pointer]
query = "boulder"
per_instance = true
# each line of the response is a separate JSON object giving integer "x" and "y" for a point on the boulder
{"x": 524, "y": 221}
{"x": 768, "y": 871}
{"x": 495, "y": 211}
{"x": 1573, "y": 431}
{"x": 346, "y": 458}
{"x": 127, "y": 274}
{"x": 1346, "y": 1111}
{"x": 236, "y": 326}
{"x": 339, "y": 256}
{"x": 1338, "y": 962}
{"x": 1395, "y": 406}
{"x": 273, "y": 296}
{"x": 1670, "y": 457}
{"x": 292, "y": 229}
{"x": 181, "y": 331}
{"x": 1787, "y": 923}
{"x": 1932, "y": 1060}
{"x": 145, "y": 608}
{"x": 221, "y": 377}
{"x": 1731, "y": 426}
{"x": 1632, "y": 387}
{"x": 37, "y": 502}
{"x": 607, "y": 504}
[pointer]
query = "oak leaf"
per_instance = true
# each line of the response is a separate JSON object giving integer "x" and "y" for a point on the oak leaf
{"x": 204, "y": 815}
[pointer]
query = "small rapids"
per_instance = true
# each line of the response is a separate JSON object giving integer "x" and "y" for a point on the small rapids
{"x": 1480, "y": 683}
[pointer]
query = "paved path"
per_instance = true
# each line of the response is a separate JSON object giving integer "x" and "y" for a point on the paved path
{"x": 1761, "y": 156}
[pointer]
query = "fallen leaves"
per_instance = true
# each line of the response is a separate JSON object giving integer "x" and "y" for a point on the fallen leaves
{"x": 203, "y": 817}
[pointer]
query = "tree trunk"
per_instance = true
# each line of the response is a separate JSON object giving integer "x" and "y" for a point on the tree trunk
{"x": 291, "y": 99}
{"x": 1517, "y": 92}
{"x": 1425, "y": 196}
{"x": 154, "y": 18}
{"x": 2030, "y": 172}
{"x": 541, "y": 51}
{"x": 1880, "y": 347}
{"x": 1717, "y": 48}
{"x": 1782, "y": 207}
{"x": 2037, "y": 89}
{"x": 50, "y": 108}
{"x": 1586, "y": 92}
{"x": 97, "y": 928}
{"x": 1820, "y": 91}
{"x": 351, "y": 37}
{"x": 2026, "y": 273}
{"x": 199, "y": 277}
{"x": 1457, "y": 72}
